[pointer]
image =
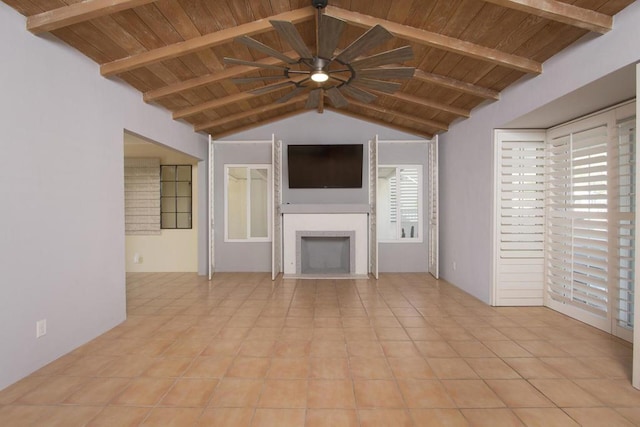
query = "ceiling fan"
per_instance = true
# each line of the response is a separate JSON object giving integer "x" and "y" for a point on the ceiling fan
{"x": 339, "y": 76}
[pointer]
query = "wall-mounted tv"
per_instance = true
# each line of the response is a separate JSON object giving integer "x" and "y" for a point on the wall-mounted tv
{"x": 325, "y": 166}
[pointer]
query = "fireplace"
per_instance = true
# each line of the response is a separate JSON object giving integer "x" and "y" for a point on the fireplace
{"x": 325, "y": 241}
{"x": 325, "y": 252}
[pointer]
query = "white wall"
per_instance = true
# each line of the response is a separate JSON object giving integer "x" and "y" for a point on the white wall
{"x": 62, "y": 192}
{"x": 466, "y": 150}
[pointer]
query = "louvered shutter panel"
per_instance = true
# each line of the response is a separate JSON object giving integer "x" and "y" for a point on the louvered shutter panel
{"x": 578, "y": 222}
{"x": 519, "y": 218}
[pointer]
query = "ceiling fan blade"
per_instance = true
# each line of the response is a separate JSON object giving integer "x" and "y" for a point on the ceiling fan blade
{"x": 291, "y": 94}
{"x": 401, "y": 54}
{"x": 290, "y": 33}
{"x": 271, "y": 88}
{"x": 337, "y": 98}
{"x": 235, "y": 61}
{"x": 387, "y": 73}
{"x": 314, "y": 99}
{"x": 256, "y": 79}
{"x": 358, "y": 94}
{"x": 372, "y": 38}
{"x": 379, "y": 85}
{"x": 255, "y": 44}
{"x": 329, "y": 34}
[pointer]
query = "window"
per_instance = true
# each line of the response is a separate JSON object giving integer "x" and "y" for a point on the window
{"x": 247, "y": 202}
{"x": 175, "y": 196}
{"x": 400, "y": 203}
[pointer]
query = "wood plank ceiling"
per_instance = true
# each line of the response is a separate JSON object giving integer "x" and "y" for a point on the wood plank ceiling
{"x": 465, "y": 51}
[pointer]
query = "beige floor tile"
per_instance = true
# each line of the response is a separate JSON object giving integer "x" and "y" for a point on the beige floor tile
{"x": 370, "y": 368}
{"x": 68, "y": 416}
{"x": 425, "y": 394}
{"x": 172, "y": 417}
{"x": 519, "y": 394}
{"x": 377, "y": 394}
{"x": 143, "y": 392}
{"x": 565, "y": 393}
{"x": 257, "y": 348}
{"x": 596, "y": 417}
{"x": 119, "y": 416}
{"x": 281, "y": 368}
{"x": 545, "y": 417}
{"x": 190, "y": 392}
{"x": 411, "y": 368}
{"x": 403, "y": 350}
{"x": 332, "y": 418}
{"x": 329, "y": 368}
{"x": 384, "y": 418}
{"x": 278, "y": 418}
{"x": 434, "y": 349}
{"x": 400, "y": 349}
{"x": 469, "y": 349}
{"x": 612, "y": 392}
{"x": 98, "y": 391}
{"x": 491, "y": 418}
{"x": 54, "y": 390}
{"x": 226, "y": 417}
{"x": 24, "y": 386}
{"x": 472, "y": 394}
{"x": 249, "y": 367}
{"x": 329, "y": 394}
{"x": 451, "y": 368}
{"x": 284, "y": 394}
{"x": 22, "y": 416}
{"x": 439, "y": 417}
{"x": 507, "y": 349}
{"x": 531, "y": 368}
{"x": 492, "y": 368}
{"x": 163, "y": 367}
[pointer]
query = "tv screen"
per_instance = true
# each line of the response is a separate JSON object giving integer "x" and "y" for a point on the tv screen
{"x": 325, "y": 166}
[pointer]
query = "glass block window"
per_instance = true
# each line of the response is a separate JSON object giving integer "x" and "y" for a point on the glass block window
{"x": 175, "y": 196}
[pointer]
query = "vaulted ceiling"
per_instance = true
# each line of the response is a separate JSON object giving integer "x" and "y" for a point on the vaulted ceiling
{"x": 465, "y": 52}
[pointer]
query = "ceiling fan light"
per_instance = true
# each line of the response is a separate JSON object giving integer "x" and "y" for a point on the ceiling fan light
{"x": 319, "y": 76}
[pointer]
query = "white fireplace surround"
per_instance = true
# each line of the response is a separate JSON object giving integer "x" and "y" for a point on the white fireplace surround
{"x": 325, "y": 221}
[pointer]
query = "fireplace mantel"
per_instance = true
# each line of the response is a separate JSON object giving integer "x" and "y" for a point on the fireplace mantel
{"x": 323, "y": 209}
{"x": 325, "y": 220}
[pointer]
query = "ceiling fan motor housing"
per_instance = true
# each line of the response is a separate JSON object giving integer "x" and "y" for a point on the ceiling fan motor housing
{"x": 319, "y": 4}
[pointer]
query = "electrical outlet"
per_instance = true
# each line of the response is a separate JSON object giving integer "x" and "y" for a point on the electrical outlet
{"x": 41, "y": 328}
{"x": 454, "y": 265}
{"x": 137, "y": 259}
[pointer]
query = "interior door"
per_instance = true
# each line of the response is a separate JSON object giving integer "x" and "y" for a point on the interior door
{"x": 276, "y": 191}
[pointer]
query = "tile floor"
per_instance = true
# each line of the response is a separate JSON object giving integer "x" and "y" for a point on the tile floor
{"x": 406, "y": 350}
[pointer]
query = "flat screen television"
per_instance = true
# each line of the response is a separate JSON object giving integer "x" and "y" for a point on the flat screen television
{"x": 325, "y": 166}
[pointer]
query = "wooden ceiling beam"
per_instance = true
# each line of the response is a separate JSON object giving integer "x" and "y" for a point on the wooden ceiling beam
{"x": 401, "y": 96}
{"x": 440, "y": 41}
{"x": 245, "y": 114}
{"x": 456, "y": 85}
{"x": 258, "y": 123}
{"x": 203, "y": 42}
{"x": 389, "y": 112}
{"x": 357, "y": 116}
{"x": 220, "y": 102}
{"x": 78, "y": 12}
{"x": 196, "y": 82}
{"x": 561, "y": 12}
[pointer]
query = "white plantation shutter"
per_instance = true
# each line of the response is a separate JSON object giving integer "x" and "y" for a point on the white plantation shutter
{"x": 578, "y": 223}
{"x": 590, "y": 220}
{"x": 626, "y": 157}
{"x": 408, "y": 199}
{"x": 432, "y": 203}
{"x": 519, "y": 218}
